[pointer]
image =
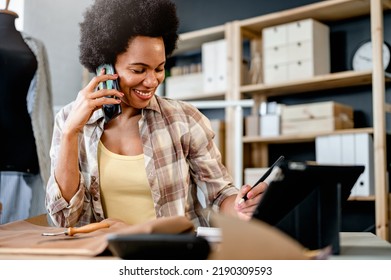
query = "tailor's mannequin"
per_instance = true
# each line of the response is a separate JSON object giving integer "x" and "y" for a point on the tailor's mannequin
{"x": 17, "y": 67}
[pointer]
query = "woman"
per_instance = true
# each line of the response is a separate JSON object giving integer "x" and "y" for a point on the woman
{"x": 155, "y": 158}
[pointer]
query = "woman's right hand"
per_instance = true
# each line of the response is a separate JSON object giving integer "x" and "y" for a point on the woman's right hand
{"x": 89, "y": 100}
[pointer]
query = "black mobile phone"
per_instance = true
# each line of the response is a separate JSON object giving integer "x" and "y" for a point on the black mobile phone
{"x": 110, "y": 111}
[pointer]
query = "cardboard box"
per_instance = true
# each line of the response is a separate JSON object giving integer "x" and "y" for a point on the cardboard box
{"x": 251, "y": 126}
{"x": 317, "y": 110}
{"x": 316, "y": 117}
{"x": 321, "y": 125}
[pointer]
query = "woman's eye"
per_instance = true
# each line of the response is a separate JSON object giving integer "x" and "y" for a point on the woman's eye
{"x": 138, "y": 71}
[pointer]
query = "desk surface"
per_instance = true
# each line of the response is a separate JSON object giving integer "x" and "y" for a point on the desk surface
{"x": 354, "y": 246}
{"x": 362, "y": 246}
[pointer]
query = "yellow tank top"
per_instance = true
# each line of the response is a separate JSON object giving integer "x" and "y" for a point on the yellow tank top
{"x": 124, "y": 187}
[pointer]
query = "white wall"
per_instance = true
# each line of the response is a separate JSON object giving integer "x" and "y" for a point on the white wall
{"x": 16, "y": 6}
{"x": 56, "y": 24}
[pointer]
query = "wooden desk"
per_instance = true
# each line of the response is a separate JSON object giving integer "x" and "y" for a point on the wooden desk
{"x": 362, "y": 246}
{"x": 354, "y": 246}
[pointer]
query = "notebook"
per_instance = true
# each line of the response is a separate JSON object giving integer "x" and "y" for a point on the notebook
{"x": 304, "y": 200}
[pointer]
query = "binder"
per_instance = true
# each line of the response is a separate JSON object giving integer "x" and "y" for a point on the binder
{"x": 214, "y": 66}
{"x": 363, "y": 145}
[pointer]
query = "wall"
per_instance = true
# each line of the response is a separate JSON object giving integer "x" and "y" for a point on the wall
{"x": 56, "y": 23}
{"x": 17, "y": 7}
{"x": 204, "y": 13}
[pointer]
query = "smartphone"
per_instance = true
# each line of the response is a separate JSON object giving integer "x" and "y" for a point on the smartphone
{"x": 110, "y": 111}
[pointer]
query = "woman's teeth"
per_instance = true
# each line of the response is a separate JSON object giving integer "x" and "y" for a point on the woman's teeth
{"x": 142, "y": 93}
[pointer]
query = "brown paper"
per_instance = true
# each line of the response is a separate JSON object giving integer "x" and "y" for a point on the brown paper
{"x": 254, "y": 240}
{"x": 24, "y": 237}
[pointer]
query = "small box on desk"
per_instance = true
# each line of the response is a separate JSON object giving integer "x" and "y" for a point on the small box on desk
{"x": 316, "y": 117}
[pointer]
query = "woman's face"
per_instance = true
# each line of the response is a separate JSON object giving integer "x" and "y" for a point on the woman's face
{"x": 141, "y": 70}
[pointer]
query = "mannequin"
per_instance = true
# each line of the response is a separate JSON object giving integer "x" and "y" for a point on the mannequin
{"x": 17, "y": 67}
{"x": 26, "y": 122}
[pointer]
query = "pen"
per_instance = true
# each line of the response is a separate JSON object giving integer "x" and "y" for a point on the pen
{"x": 263, "y": 178}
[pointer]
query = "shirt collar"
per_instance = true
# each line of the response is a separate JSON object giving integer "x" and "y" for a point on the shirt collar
{"x": 154, "y": 104}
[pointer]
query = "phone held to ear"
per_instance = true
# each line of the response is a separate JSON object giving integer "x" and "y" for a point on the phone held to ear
{"x": 110, "y": 111}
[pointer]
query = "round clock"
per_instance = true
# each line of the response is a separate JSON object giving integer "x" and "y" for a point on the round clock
{"x": 362, "y": 57}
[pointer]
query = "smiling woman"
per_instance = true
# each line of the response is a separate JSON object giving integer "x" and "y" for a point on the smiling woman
{"x": 153, "y": 159}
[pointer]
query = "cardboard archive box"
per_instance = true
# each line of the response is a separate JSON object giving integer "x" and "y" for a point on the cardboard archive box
{"x": 319, "y": 117}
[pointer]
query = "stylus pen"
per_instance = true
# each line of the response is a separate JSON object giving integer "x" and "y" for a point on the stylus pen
{"x": 263, "y": 178}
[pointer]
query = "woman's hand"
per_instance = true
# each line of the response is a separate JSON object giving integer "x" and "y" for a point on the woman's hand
{"x": 89, "y": 100}
{"x": 246, "y": 208}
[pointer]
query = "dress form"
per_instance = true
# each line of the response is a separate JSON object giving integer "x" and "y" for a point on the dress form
{"x": 17, "y": 68}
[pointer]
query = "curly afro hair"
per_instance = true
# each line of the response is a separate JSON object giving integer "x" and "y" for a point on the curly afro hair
{"x": 108, "y": 27}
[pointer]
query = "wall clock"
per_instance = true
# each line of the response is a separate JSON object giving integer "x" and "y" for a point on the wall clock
{"x": 362, "y": 57}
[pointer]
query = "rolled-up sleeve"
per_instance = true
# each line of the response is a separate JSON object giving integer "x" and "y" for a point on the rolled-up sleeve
{"x": 62, "y": 213}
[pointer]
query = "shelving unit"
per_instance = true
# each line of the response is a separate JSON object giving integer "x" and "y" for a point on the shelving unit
{"x": 192, "y": 42}
{"x": 326, "y": 12}
{"x": 238, "y": 93}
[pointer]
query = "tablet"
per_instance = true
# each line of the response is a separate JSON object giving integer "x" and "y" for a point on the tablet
{"x": 304, "y": 200}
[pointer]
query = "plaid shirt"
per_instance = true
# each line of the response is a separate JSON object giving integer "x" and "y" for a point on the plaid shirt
{"x": 181, "y": 161}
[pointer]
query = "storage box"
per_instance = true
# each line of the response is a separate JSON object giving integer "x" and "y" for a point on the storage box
{"x": 316, "y": 118}
{"x": 251, "y": 127}
{"x": 184, "y": 86}
{"x": 270, "y": 125}
{"x": 296, "y": 50}
{"x": 252, "y": 175}
{"x": 214, "y": 66}
{"x": 317, "y": 110}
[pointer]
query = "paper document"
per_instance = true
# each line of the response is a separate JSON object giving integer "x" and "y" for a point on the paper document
{"x": 211, "y": 234}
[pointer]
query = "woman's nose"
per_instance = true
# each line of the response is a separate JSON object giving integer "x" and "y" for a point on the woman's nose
{"x": 151, "y": 79}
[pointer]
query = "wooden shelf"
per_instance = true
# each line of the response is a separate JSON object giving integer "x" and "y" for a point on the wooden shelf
{"x": 317, "y": 83}
{"x": 362, "y": 198}
{"x": 193, "y": 40}
{"x": 205, "y": 96}
{"x": 324, "y": 11}
{"x": 300, "y": 138}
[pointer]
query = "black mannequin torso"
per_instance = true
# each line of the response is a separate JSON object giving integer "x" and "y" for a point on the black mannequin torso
{"x": 17, "y": 67}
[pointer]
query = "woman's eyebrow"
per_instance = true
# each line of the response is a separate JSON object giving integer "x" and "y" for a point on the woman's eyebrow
{"x": 144, "y": 64}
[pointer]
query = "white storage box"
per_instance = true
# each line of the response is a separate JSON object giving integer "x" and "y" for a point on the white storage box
{"x": 252, "y": 175}
{"x": 214, "y": 66}
{"x": 296, "y": 50}
{"x": 184, "y": 86}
